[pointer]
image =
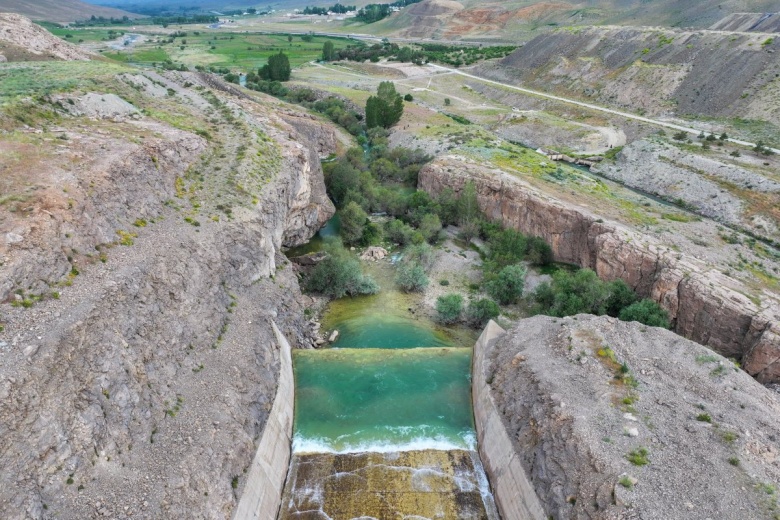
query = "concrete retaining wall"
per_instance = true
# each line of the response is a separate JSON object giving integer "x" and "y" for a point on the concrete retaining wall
{"x": 262, "y": 492}
{"x": 513, "y": 492}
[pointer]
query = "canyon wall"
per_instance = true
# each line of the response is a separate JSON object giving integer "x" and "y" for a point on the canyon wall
{"x": 704, "y": 305}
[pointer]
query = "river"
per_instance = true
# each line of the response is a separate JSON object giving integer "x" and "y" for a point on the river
{"x": 384, "y": 426}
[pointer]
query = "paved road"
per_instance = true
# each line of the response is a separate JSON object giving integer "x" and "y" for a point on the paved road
{"x": 591, "y": 106}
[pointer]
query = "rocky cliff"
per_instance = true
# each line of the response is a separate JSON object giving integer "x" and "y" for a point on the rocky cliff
{"x": 617, "y": 420}
{"x": 142, "y": 256}
{"x": 704, "y": 304}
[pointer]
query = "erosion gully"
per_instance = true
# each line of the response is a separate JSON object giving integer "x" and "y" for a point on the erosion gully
{"x": 384, "y": 426}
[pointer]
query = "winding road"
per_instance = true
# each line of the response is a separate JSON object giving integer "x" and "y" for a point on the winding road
{"x": 591, "y": 106}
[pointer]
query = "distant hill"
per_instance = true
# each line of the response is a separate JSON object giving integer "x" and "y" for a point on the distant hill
{"x": 515, "y": 19}
{"x": 60, "y": 10}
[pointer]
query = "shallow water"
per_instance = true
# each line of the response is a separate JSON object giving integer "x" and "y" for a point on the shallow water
{"x": 331, "y": 229}
{"x": 383, "y": 400}
{"x": 383, "y": 418}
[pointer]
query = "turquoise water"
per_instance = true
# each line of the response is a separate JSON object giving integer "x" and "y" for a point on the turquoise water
{"x": 331, "y": 229}
{"x": 354, "y": 400}
{"x": 393, "y": 381}
{"x": 387, "y": 331}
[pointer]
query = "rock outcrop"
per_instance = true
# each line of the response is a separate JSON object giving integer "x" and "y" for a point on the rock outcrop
{"x": 704, "y": 304}
{"x": 140, "y": 378}
{"x": 617, "y": 420}
{"x": 20, "y": 32}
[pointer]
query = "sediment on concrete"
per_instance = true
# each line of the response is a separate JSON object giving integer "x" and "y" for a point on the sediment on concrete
{"x": 513, "y": 492}
{"x": 262, "y": 493}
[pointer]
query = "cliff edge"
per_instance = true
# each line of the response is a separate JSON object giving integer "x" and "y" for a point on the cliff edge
{"x": 617, "y": 420}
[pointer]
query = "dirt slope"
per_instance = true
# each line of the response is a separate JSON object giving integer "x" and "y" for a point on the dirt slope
{"x": 658, "y": 71}
{"x": 756, "y": 22}
{"x": 22, "y": 40}
{"x": 521, "y": 20}
{"x": 61, "y": 10}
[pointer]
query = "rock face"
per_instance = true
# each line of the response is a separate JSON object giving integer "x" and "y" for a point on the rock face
{"x": 581, "y": 397}
{"x": 18, "y": 31}
{"x": 141, "y": 388}
{"x": 705, "y": 305}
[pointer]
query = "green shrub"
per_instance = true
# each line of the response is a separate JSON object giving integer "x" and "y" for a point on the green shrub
{"x": 411, "y": 277}
{"x": 479, "y": 312}
{"x": 430, "y": 227}
{"x": 353, "y": 221}
{"x": 638, "y": 457}
{"x": 339, "y": 274}
{"x": 646, "y": 311}
{"x": 422, "y": 254}
{"x": 449, "y": 307}
{"x": 506, "y": 247}
{"x": 538, "y": 252}
{"x": 398, "y": 232}
{"x": 507, "y": 287}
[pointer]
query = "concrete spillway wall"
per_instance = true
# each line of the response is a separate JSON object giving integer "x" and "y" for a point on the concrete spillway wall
{"x": 514, "y": 494}
{"x": 262, "y": 492}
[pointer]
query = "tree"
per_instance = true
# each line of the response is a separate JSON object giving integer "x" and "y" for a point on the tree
{"x": 447, "y": 102}
{"x": 468, "y": 210}
{"x": 339, "y": 274}
{"x": 681, "y": 135}
{"x": 449, "y": 308}
{"x": 538, "y": 252}
{"x": 507, "y": 287}
{"x": 328, "y": 52}
{"x": 411, "y": 277}
{"x": 507, "y": 247}
{"x": 353, "y": 222}
{"x": 479, "y": 312}
{"x": 621, "y": 296}
{"x": 408, "y": 97}
{"x": 289, "y": 37}
{"x": 430, "y": 226}
{"x": 646, "y": 311}
{"x": 384, "y": 109}
{"x": 277, "y": 68}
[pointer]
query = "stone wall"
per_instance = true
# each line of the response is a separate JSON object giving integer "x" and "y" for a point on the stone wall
{"x": 514, "y": 495}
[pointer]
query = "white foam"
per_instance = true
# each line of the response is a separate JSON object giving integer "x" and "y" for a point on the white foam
{"x": 320, "y": 445}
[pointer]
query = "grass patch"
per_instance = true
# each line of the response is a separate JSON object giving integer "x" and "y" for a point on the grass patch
{"x": 638, "y": 457}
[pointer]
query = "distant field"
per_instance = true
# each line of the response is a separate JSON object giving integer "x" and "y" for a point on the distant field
{"x": 238, "y": 52}
{"x": 81, "y": 35}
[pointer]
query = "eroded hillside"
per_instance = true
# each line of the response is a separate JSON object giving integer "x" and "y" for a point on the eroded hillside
{"x": 142, "y": 219}
{"x": 655, "y": 72}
